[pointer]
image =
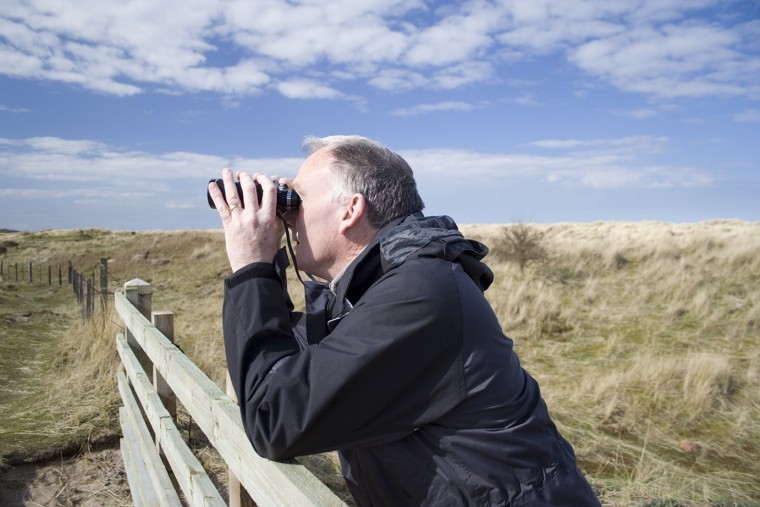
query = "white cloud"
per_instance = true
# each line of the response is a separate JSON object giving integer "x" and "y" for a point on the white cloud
{"x": 455, "y": 38}
{"x": 307, "y": 89}
{"x": 632, "y": 144}
{"x": 526, "y": 100}
{"x": 637, "y": 114}
{"x": 52, "y": 158}
{"x": 397, "y": 80}
{"x": 598, "y": 163}
{"x": 654, "y": 47}
{"x": 40, "y": 193}
{"x": 432, "y": 108}
{"x": 748, "y": 116}
{"x": 689, "y": 60}
{"x": 462, "y": 74}
{"x": 8, "y": 109}
{"x": 595, "y": 169}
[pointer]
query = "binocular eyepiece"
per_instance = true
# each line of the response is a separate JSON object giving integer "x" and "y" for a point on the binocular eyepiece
{"x": 287, "y": 199}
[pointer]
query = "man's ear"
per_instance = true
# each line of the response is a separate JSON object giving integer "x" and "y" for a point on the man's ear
{"x": 354, "y": 212}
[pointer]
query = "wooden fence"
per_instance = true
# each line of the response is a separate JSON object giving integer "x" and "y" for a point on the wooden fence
{"x": 155, "y": 375}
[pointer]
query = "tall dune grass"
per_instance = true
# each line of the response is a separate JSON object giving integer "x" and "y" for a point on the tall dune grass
{"x": 83, "y": 399}
{"x": 645, "y": 338}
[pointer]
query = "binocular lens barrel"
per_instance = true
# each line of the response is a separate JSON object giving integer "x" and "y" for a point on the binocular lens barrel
{"x": 287, "y": 199}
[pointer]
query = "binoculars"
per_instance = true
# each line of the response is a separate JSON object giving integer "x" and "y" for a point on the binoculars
{"x": 287, "y": 199}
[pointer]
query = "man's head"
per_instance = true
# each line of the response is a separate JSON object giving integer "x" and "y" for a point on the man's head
{"x": 350, "y": 187}
{"x": 366, "y": 167}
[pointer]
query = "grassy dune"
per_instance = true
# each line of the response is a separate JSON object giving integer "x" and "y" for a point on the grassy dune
{"x": 643, "y": 336}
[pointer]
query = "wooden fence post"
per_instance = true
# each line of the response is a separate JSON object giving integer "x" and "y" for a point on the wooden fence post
{"x": 60, "y": 279}
{"x": 92, "y": 294}
{"x": 30, "y": 271}
{"x": 164, "y": 322}
{"x": 140, "y": 294}
{"x": 90, "y": 297}
{"x": 16, "y": 266}
{"x": 77, "y": 285}
{"x": 238, "y": 496}
{"x": 50, "y": 274}
{"x": 103, "y": 283}
{"x": 87, "y": 298}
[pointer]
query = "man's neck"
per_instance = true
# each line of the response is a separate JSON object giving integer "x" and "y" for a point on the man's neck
{"x": 352, "y": 256}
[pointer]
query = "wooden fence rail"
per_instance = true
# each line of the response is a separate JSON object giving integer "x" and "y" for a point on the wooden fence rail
{"x": 143, "y": 348}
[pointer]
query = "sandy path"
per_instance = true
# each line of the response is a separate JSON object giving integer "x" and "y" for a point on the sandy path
{"x": 92, "y": 479}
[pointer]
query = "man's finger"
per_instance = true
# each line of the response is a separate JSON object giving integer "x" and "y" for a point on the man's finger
{"x": 230, "y": 190}
{"x": 219, "y": 203}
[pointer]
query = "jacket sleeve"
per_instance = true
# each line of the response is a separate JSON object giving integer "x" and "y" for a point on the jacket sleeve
{"x": 391, "y": 365}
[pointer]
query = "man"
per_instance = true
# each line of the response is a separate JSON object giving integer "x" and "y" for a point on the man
{"x": 399, "y": 363}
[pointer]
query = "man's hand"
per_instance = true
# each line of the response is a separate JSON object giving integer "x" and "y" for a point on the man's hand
{"x": 251, "y": 232}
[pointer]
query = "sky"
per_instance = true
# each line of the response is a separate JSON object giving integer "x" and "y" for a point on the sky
{"x": 116, "y": 113}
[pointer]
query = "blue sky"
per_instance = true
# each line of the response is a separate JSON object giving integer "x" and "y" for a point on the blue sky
{"x": 115, "y": 113}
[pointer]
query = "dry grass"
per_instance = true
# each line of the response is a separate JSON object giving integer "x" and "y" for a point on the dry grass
{"x": 643, "y": 336}
{"x": 645, "y": 340}
{"x": 84, "y": 400}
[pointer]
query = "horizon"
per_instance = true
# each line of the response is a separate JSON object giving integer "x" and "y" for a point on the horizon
{"x": 116, "y": 116}
{"x": 707, "y": 222}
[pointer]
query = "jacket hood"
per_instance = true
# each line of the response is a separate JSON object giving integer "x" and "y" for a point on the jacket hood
{"x": 417, "y": 235}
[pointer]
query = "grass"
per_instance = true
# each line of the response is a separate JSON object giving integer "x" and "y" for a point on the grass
{"x": 643, "y": 336}
{"x": 30, "y": 325}
{"x": 648, "y": 363}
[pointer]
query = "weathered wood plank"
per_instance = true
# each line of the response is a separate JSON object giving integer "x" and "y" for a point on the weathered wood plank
{"x": 145, "y": 455}
{"x": 137, "y": 478}
{"x": 188, "y": 471}
{"x": 269, "y": 482}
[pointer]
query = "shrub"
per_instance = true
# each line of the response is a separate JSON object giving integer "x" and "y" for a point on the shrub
{"x": 522, "y": 244}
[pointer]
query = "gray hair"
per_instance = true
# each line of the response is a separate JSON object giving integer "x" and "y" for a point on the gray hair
{"x": 364, "y": 166}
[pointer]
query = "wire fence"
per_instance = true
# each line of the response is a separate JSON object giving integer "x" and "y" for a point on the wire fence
{"x": 84, "y": 287}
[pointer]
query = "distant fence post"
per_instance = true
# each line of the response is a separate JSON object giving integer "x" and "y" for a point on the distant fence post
{"x": 91, "y": 309}
{"x": 77, "y": 285}
{"x": 60, "y": 279}
{"x": 71, "y": 270}
{"x": 30, "y": 271}
{"x": 90, "y": 302}
{"x": 103, "y": 283}
{"x": 86, "y": 302}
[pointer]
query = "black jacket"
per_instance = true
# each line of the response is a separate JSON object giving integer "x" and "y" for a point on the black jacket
{"x": 405, "y": 371}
